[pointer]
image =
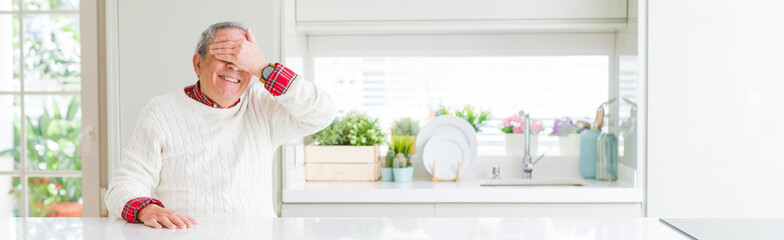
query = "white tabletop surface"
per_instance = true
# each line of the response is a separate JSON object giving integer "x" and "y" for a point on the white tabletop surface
{"x": 729, "y": 228}
{"x": 346, "y": 228}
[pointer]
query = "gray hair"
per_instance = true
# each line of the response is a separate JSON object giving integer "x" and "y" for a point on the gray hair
{"x": 209, "y": 34}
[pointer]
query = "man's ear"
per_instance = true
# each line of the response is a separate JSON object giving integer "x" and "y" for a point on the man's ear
{"x": 196, "y": 63}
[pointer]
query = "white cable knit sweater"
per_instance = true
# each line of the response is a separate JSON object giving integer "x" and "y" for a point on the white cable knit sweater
{"x": 205, "y": 162}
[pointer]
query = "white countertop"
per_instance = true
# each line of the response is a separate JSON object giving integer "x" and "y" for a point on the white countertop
{"x": 729, "y": 228}
{"x": 423, "y": 190}
{"x": 346, "y": 228}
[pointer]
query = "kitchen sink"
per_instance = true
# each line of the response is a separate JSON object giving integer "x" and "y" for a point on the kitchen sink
{"x": 533, "y": 183}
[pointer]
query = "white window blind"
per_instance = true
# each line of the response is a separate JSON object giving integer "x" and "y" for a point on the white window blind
{"x": 391, "y": 77}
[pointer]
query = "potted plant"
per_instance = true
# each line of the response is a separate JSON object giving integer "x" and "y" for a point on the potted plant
{"x": 568, "y": 136}
{"x": 515, "y": 140}
{"x": 477, "y": 119}
{"x": 401, "y": 164}
{"x": 347, "y": 150}
{"x": 405, "y": 127}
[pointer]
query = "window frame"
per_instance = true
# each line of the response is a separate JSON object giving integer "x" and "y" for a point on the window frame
{"x": 88, "y": 147}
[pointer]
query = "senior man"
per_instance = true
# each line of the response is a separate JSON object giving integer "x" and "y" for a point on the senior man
{"x": 206, "y": 150}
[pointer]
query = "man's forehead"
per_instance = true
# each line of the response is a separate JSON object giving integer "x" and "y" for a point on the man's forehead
{"x": 233, "y": 32}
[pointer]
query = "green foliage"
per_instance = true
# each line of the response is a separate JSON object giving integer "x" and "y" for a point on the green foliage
{"x": 405, "y": 126}
{"x": 401, "y": 149}
{"x": 357, "y": 129}
{"x": 476, "y": 119}
{"x": 403, "y": 144}
{"x": 52, "y": 140}
{"x": 363, "y": 130}
{"x": 332, "y": 135}
{"x": 54, "y": 62}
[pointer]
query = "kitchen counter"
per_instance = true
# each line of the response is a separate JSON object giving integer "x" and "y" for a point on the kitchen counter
{"x": 346, "y": 228}
{"x": 423, "y": 190}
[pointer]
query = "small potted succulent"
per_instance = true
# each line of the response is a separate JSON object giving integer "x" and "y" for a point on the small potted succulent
{"x": 515, "y": 139}
{"x": 405, "y": 127}
{"x": 347, "y": 150}
{"x": 401, "y": 163}
{"x": 568, "y": 136}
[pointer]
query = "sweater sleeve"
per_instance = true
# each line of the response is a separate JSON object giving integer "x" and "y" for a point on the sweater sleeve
{"x": 302, "y": 110}
{"x": 139, "y": 170}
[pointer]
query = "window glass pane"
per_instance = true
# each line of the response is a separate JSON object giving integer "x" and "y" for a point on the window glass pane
{"x": 10, "y": 129}
{"x": 53, "y": 127}
{"x": 51, "y": 4}
{"x": 627, "y": 110}
{"x": 52, "y": 52}
{"x": 6, "y": 5}
{"x": 9, "y": 52}
{"x": 10, "y": 196}
{"x": 55, "y": 196}
{"x": 547, "y": 87}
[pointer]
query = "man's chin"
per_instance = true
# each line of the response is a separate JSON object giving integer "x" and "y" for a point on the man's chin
{"x": 232, "y": 94}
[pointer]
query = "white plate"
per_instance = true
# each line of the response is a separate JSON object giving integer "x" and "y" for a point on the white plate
{"x": 446, "y": 150}
{"x": 447, "y": 123}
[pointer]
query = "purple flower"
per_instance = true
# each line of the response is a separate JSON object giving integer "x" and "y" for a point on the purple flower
{"x": 563, "y": 127}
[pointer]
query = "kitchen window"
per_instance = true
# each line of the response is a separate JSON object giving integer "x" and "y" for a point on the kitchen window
{"x": 549, "y": 75}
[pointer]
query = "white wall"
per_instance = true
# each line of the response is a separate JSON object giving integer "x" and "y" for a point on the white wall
{"x": 715, "y": 95}
{"x": 157, "y": 41}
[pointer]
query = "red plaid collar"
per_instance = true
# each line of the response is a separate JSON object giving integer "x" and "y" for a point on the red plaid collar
{"x": 195, "y": 93}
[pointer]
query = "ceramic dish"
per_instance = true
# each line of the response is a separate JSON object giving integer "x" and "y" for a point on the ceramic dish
{"x": 446, "y": 150}
{"x": 448, "y": 123}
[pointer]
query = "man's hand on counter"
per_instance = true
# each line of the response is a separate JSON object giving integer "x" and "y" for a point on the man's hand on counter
{"x": 155, "y": 216}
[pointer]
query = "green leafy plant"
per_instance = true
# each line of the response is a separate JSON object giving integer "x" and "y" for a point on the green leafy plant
{"x": 402, "y": 147}
{"x": 405, "y": 127}
{"x": 477, "y": 119}
{"x": 356, "y": 129}
{"x": 51, "y": 141}
{"x": 403, "y": 144}
{"x": 363, "y": 130}
{"x": 332, "y": 134}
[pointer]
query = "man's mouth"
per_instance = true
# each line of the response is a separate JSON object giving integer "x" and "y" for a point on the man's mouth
{"x": 229, "y": 79}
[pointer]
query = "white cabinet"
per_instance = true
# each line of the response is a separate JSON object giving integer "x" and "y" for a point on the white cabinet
{"x": 464, "y": 210}
{"x": 365, "y": 16}
{"x": 358, "y": 210}
{"x": 539, "y": 210}
{"x": 451, "y": 10}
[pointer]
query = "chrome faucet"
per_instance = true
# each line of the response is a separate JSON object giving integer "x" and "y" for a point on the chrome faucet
{"x": 528, "y": 165}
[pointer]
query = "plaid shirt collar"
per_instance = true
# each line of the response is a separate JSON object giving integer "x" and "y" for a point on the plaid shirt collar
{"x": 196, "y": 93}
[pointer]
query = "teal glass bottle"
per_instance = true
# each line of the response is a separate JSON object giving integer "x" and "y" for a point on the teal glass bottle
{"x": 607, "y": 152}
{"x": 588, "y": 153}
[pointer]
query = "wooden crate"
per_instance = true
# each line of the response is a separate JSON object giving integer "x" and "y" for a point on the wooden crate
{"x": 343, "y": 171}
{"x": 342, "y": 163}
{"x": 341, "y": 154}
